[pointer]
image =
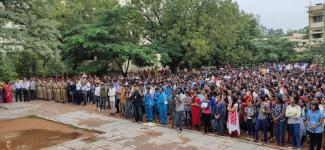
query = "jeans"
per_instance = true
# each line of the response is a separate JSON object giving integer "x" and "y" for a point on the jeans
{"x": 295, "y": 134}
{"x": 32, "y": 94}
{"x": 316, "y": 140}
{"x": 250, "y": 127}
{"x": 163, "y": 113}
{"x": 261, "y": 123}
{"x": 138, "y": 113}
{"x": 149, "y": 113}
{"x": 188, "y": 118}
{"x": 128, "y": 109}
{"x": 84, "y": 97}
{"x": 180, "y": 118}
{"x": 221, "y": 125}
{"x": 279, "y": 128}
{"x": 98, "y": 101}
{"x": 155, "y": 111}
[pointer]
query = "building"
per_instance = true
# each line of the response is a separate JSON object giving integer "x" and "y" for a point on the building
{"x": 316, "y": 24}
{"x": 301, "y": 41}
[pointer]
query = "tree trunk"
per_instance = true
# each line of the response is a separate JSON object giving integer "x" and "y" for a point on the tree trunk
{"x": 121, "y": 68}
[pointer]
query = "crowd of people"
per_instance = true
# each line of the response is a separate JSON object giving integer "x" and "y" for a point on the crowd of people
{"x": 282, "y": 103}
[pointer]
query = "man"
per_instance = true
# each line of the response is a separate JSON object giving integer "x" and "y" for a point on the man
{"x": 78, "y": 92}
{"x": 49, "y": 90}
{"x": 103, "y": 96}
{"x": 180, "y": 109}
{"x": 123, "y": 100}
{"x": 97, "y": 96}
{"x": 56, "y": 91}
{"x": 18, "y": 91}
{"x": 32, "y": 88}
{"x": 162, "y": 106}
{"x": 137, "y": 102}
{"x": 25, "y": 88}
{"x": 111, "y": 95}
{"x": 148, "y": 103}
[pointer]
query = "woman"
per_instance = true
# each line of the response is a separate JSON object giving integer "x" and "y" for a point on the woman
{"x": 314, "y": 123}
{"x": 220, "y": 115}
{"x": 206, "y": 113}
{"x": 196, "y": 104}
{"x": 261, "y": 122}
{"x": 8, "y": 92}
{"x": 233, "y": 118}
{"x": 293, "y": 113}
{"x": 250, "y": 114}
{"x": 279, "y": 120}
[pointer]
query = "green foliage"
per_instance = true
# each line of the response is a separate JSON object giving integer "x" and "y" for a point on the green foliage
{"x": 32, "y": 40}
{"x": 115, "y": 37}
{"x": 273, "y": 50}
{"x": 7, "y": 71}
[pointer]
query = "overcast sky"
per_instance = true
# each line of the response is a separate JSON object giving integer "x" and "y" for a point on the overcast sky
{"x": 285, "y": 14}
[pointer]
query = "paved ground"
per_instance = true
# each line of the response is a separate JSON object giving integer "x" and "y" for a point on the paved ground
{"x": 120, "y": 134}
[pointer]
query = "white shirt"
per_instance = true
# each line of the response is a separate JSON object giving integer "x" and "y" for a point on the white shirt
{"x": 88, "y": 86}
{"x": 97, "y": 91}
{"x": 84, "y": 88}
{"x": 293, "y": 114}
{"x": 32, "y": 85}
{"x": 111, "y": 92}
{"x": 25, "y": 85}
{"x": 78, "y": 86}
{"x": 18, "y": 85}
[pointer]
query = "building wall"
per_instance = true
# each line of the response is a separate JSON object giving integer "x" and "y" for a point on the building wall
{"x": 317, "y": 30}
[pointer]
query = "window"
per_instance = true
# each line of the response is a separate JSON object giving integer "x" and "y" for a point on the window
{"x": 317, "y": 36}
{"x": 318, "y": 18}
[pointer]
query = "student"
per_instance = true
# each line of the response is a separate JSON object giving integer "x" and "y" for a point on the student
{"x": 233, "y": 118}
{"x": 250, "y": 114}
{"x": 279, "y": 120}
{"x": 148, "y": 104}
{"x": 293, "y": 113}
{"x": 315, "y": 127}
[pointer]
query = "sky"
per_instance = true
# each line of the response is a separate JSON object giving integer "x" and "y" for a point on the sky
{"x": 284, "y": 14}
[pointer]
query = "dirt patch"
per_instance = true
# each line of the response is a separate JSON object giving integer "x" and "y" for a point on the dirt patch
{"x": 36, "y": 133}
{"x": 93, "y": 122}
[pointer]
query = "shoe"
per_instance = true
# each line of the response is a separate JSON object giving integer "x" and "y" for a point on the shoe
{"x": 248, "y": 139}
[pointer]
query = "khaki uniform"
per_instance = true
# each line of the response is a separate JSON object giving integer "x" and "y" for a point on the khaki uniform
{"x": 56, "y": 92}
{"x": 43, "y": 90}
{"x": 38, "y": 90}
{"x": 63, "y": 92}
{"x": 49, "y": 91}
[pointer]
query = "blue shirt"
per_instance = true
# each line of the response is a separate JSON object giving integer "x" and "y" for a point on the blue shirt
{"x": 148, "y": 99}
{"x": 202, "y": 98}
{"x": 162, "y": 98}
{"x": 314, "y": 118}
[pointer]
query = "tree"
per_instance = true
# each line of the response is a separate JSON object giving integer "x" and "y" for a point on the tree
{"x": 187, "y": 32}
{"x": 273, "y": 50}
{"x": 115, "y": 37}
{"x": 30, "y": 33}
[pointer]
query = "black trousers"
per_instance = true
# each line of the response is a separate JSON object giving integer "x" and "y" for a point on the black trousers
{"x": 316, "y": 140}
{"x": 84, "y": 97}
{"x": 117, "y": 105}
{"x": 138, "y": 112}
{"x": 206, "y": 121}
{"x": 18, "y": 95}
{"x": 26, "y": 95}
{"x": 32, "y": 94}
